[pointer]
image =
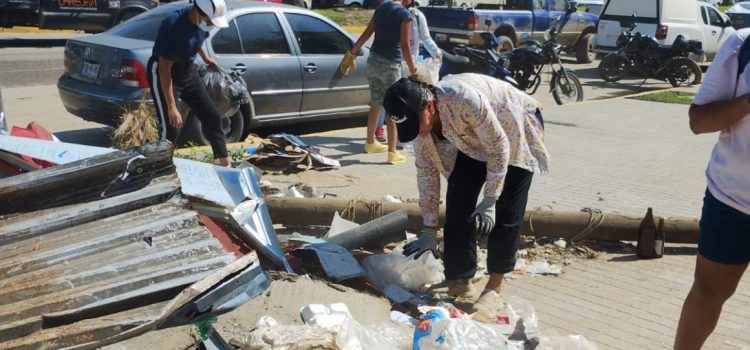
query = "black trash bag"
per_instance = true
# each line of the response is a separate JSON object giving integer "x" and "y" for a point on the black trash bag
{"x": 227, "y": 89}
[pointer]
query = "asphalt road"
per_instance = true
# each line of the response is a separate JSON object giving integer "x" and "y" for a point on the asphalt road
{"x": 30, "y": 66}
{"x": 30, "y": 60}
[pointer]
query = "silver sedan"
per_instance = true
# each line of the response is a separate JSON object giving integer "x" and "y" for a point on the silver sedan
{"x": 289, "y": 57}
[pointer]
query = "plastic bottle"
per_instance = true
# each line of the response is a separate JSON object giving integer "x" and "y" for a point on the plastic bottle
{"x": 408, "y": 147}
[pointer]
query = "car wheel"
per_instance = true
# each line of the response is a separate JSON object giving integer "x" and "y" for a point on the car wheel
{"x": 355, "y": 5}
{"x": 192, "y": 133}
{"x": 584, "y": 53}
{"x": 126, "y": 16}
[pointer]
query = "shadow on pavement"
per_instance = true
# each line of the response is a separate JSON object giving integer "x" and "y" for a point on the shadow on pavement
{"x": 687, "y": 251}
{"x": 48, "y": 42}
{"x": 304, "y": 128}
{"x": 338, "y": 143}
{"x": 90, "y": 137}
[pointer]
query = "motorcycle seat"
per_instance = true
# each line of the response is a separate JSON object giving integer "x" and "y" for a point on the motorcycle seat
{"x": 454, "y": 59}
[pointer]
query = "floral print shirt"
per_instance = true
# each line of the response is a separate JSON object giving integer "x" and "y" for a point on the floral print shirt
{"x": 488, "y": 120}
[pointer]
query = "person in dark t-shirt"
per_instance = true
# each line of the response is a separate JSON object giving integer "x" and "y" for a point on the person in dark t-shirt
{"x": 392, "y": 27}
{"x": 171, "y": 73}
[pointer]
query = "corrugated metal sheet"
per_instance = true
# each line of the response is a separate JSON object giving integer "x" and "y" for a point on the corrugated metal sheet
{"x": 84, "y": 272}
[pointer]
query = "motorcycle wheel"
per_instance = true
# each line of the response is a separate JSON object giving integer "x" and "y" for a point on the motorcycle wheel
{"x": 683, "y": 72}
{"x": 570, "y": 91}
{"x": 613, "y": 68}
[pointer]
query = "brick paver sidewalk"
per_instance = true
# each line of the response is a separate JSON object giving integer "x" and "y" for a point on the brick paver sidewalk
{"x": 620, "y": 156}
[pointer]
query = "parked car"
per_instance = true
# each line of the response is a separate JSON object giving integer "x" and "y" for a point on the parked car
{"x": 665, "y": 20}
{"x": 289, "y": 57}
{"x": 592, "y": 6}
{"x": 372, "y": 4}
{"x": 739, "y": 13}
{"x": 3, "y": 122}
{"x": 87, "y": 15}
{"x": 518, "y": 19}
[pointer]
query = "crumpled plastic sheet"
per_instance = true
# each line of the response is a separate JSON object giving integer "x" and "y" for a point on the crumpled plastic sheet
{"x": 227, "y": 89}
{"x": 404, "y": 271}
{"x": 519, "y": 331}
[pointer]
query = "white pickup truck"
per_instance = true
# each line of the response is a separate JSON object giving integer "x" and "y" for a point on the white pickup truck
{"x": 665, "y": 20}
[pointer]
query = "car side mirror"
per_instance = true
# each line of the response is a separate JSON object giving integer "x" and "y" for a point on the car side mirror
{"x": 728, "y": 23}
{"x": 488, "y": 22}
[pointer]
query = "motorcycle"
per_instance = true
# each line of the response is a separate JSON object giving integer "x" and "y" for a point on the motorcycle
{"x": 643, "y": 55}
{"x": 484, "y": 60}
{"x": 527, "y": 62}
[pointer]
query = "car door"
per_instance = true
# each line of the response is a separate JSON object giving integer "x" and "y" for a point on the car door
{"x": 255, "y": 44}
{"x": 714, "y": 31}
{"x": 321, "y": 48}
{"x": 570, "y": 30}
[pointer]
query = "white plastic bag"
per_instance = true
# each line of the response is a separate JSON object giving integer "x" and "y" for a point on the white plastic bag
{"x": 428, "y": 70}
{"x": 456, "y": 334}
{"x": 395, "y": 268}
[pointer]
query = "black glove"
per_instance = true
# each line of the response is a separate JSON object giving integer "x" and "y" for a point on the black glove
{"x": 427, "y": 241}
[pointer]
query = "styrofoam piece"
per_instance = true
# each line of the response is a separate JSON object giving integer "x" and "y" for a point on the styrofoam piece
{"x": 328, "y": 317}
{"x": 339, "y": 225}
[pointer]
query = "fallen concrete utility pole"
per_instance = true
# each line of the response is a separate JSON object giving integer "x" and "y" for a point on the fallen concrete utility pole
{"x": 542, "y": 223}
{"x": 374, "y": 234}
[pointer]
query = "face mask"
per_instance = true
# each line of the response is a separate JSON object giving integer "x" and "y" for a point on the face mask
{"x": 204, "y": 27}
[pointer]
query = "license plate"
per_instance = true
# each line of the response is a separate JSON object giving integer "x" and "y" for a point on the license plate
{"x": 90, "y": 70}
{"x": 441, "y": 37}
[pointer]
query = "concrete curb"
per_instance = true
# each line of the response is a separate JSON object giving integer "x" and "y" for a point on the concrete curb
{"x": 35, "y": 30}
{"x": 636, "y": 94}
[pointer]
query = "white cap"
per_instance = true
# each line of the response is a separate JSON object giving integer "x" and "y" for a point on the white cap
{"x": 215, "y": 10}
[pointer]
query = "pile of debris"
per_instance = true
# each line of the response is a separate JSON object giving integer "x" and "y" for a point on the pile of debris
{"x": 101, "y": 245}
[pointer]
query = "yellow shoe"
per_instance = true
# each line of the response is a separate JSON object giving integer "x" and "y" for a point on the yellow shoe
{"x": 375, "y": 147}
{"x": 395, "y": 158}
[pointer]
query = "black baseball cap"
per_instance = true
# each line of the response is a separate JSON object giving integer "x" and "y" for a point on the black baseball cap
{"x": 402, "y": 102}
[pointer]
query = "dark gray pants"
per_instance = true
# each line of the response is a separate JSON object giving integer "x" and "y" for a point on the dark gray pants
{"x": 189, "y": 87}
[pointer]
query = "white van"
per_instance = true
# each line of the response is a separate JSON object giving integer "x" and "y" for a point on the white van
{"x": 664, "y": 20}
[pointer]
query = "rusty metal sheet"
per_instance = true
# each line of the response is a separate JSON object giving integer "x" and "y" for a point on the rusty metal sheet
{"x": 101, "y": 176}
{"x": 54, "y": 278}
{"x": 92, "y": 250}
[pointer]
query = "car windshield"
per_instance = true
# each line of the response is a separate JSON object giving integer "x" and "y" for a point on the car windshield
{"x": 146, "y": 25}
{"x": 741, "y": 7}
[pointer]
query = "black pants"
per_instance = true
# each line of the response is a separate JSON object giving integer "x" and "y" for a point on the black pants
{"x": 464, "y": 187}
{"x": 189, "y": 87}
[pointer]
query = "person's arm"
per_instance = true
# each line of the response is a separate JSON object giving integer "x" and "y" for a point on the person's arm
{"x": 717, "y": 116}
{"x": 425, "y": 38}
{"x": 165, "y": 81}
{"x": 364, "y": 37}
{"x": 428, "y": 184}
{"x": 715, "y": 106}
{"x": 206, "y": 58}
{"x": 406, "y": 45}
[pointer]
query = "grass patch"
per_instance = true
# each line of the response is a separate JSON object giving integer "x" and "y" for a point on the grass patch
{"x": 724, "y": 8}
{"x": 347, "y": 16}
{"x": 679, "y": 97}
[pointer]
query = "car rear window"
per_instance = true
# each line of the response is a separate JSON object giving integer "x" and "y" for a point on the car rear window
{"x": 146, "y": 25}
